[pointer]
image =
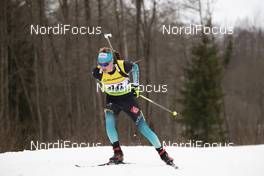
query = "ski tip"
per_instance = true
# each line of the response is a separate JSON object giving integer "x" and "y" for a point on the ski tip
{"x": 174, "y": 166}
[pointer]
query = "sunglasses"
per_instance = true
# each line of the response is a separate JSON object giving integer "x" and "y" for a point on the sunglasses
{"x": 104, "y": 64}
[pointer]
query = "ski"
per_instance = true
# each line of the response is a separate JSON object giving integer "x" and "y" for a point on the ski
{"x": 102, "y": 164}
{"x": 121, "y": 163}
{"x": 111, "y": 163}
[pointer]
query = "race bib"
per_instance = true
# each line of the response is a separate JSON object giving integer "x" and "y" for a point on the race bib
{"x": 121, "y": 87}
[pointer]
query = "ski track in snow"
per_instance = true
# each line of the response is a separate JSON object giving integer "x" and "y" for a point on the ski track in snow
{"x": 218, "y": 161}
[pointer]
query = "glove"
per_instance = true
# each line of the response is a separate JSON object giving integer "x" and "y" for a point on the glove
{"x": 117, "y": 55}
{"x": 135, "y": 90}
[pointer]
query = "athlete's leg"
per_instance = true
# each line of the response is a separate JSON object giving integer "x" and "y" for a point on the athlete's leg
{"x": 110, "y": 122}
{"x": 133, "y": 110}
{"x": 110, "y": 125}
{"x": 145, "y": 130}
{"x": 131, "y": 107}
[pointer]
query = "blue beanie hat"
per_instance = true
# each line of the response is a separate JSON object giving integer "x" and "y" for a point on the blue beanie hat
{"x": 105, "y": 57}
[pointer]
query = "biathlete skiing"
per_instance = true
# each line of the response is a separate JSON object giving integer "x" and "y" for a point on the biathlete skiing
{"x": 121, "y": 93}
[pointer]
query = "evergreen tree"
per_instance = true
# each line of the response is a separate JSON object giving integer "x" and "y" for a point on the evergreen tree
{"x": 202, "y": 93}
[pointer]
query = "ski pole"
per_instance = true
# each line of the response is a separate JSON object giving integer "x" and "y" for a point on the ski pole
{"x": 106, "y": 36}
{"x": 174, "y": 113}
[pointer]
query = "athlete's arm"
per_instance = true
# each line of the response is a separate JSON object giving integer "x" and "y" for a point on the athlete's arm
{"x": 96, "y": 73}
{"x": 134, "y": 69}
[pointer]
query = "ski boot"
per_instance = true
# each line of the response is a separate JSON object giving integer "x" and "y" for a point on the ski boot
{"x": 165, "y": 157}
{"x": 118, "y": 156}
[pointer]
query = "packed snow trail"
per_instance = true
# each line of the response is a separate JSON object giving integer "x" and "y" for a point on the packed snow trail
{"x": 218, "y": 161}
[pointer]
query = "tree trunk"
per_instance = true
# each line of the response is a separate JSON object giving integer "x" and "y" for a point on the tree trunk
{"x": 123, "y": 30}
{"x": 67, "y": 78}
{"x": 138, "y": 23}
{"x": 148, "y": 24}
{"x": 4, "y": 103}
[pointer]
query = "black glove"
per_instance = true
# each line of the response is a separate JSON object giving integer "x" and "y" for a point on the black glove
{"x": 117, "y": 55}
{"x": 135, "y": 90}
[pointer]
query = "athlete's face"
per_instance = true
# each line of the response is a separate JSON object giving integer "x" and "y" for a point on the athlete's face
{"x": 108, "y": 68}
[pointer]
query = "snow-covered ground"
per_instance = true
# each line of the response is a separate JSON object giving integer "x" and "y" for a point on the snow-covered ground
{"x": 218, "y": 161}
